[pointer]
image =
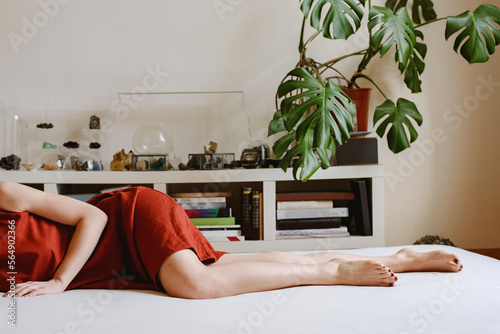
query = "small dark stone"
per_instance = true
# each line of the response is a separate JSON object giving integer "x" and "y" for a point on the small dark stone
{"x": 71, "y": 144}
{"x": 94, "y": 145}
{"x": 11, "y": 162}
{"x": 45, "y": 126}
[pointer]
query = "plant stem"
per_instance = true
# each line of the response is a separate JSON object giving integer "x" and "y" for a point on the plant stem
{"x": 333, "y": 61}
{"x": 302, "y": 49}
{"x": 431, "y": 21}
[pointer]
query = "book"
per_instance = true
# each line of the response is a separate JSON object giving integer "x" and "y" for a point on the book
{"x": 183, "y": 200}
{"x": 320, "y": 204}
{"x": 201, "y": 195}
{"x": 312, "y": 223}
{"x": 255, "y": 208}
{"x": 314, "y": 196}
{"x": 313, "y": 213}
{"x": 197, "y": 206}
{"x": 225, "y": 238}
{"x": 246, "y": 219}
{"x": 214, "y": 221}
{"x": 208, "y": 213}
{"x": 218, "y": 227}
{"x": 313, "y": 233}
{"x": 221, "y": 233}
{"x": 362, "y": 215}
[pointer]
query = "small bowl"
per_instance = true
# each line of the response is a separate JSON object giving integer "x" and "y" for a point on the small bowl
{"x": 31, "y": 167}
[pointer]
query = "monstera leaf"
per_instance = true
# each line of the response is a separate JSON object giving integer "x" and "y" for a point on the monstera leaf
{"x": 424, "y": 6}
{"x": 415, "y": 66}
{"x": 397, "y": 116}
{"x": 317, "y": 117}
{"x": 342, "y": 18}
{"x": 393, "y": 28}
{"x": 480, "y": 36}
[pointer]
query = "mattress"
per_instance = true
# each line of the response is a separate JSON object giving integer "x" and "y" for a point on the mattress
{"x": 464, "y": 302}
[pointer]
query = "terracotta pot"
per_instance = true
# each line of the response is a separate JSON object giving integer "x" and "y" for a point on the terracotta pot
{"x": 361, "y": 99}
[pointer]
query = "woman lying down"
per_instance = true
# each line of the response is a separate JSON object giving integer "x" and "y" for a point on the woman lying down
{"x": 139, "y": 238}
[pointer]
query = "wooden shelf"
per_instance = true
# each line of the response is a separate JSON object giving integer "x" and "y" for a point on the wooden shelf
{"x": 267, "y": 179}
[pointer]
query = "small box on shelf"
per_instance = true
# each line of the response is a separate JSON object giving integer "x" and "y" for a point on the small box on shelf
{"x": 153, "y": 162}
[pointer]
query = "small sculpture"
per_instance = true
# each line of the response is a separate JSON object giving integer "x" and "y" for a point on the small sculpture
{"x": 48, "y": 145}
{"x": 210, "y": 148}
{"x": 94, "y": 145}
{"x": 11, "y": 162}
{"x": 118, "y": 162}
{"x": 95, "y": 123}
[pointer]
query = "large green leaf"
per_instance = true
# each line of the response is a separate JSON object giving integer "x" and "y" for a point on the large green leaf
{"x": 394, "y": 28}
{"x": 317, "y": 116}
{"x": 415, "y": 66}
{"x": 342, "y": 17}
{"x": 426, "y": 7}
{"x": 480, "y": 36}
{"x": 398, "y": 117}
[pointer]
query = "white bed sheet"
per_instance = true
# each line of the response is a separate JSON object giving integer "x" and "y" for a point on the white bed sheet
{"x": 465, "y": 302}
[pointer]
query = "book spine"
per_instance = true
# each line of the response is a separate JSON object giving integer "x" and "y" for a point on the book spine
{"x": 287, "y": 205}
{"x": 189, "y": 206}
{"x": 315, "y": 213}
{"x": 214, "y": 221}
{"x": 208, "y": 213}
{"x": 200, "y": 199}
{"x": 313, "y": 223}
{"x": 246, "y": 224}
{"x": 255, "y": 215}
{"x": 314, "y": 196}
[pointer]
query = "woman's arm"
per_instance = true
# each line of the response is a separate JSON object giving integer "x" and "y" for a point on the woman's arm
{"x": 88, "y": 220}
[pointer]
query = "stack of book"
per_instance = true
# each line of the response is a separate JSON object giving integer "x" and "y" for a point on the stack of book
{"x": 211, "y": 214}
{"x": 311, "y": 214}
{"x": 251, "y": 213}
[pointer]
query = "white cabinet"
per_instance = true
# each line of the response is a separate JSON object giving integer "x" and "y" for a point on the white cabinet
{"x": 268, "y": 181}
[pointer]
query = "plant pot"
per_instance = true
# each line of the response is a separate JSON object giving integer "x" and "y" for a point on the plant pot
{"x": 361, "y": 99}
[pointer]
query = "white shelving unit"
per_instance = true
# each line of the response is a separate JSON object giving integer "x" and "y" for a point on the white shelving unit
{"x": 266, "y": 179}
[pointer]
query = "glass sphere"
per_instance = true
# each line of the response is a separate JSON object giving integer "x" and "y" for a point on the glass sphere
{"x": 152, "y": 138}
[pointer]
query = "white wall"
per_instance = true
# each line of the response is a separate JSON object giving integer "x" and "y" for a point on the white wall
{"x": 86, "y": 52}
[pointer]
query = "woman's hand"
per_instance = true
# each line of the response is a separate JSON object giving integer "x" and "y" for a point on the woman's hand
{"x": 30, "y": 289}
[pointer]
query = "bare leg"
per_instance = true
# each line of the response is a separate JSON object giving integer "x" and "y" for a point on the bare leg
{"x": 403, "y": 261}
{"x": 183, "y": 275}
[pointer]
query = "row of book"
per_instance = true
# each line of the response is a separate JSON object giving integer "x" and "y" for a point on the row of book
{"x": 311, "y": 214}
{"x": 212, "y": 215}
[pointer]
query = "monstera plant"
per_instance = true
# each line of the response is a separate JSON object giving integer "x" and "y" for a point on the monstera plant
{"x": 315, "y": 114}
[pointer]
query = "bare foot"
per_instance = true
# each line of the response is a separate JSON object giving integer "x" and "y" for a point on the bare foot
{"x": 361, "y": 272}
{"x": 439, "y": 260}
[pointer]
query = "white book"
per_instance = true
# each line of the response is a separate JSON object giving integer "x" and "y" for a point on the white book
{"x": 224, "y": 233}
{"x": 287, "y": 205}
{"x": 200, "y": 199}
{"x": 188, "y": 206}
{"x": 226, "y": 238}
{"x": 311, "y": 213}
{"x": 218, "y": 227}
{"x": 313, "y": 233}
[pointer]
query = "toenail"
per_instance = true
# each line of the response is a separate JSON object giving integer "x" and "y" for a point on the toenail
{"x": 391, "y": 284}
{"x": 395, "y": 278}
{"x": 392, "y": 274}
{"x": 456, "y": 261}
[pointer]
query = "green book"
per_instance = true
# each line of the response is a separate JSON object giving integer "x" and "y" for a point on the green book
{"x": 214, "y": 221}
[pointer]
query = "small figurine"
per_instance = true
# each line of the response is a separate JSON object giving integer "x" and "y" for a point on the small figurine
{"x": 118, "y": 163}
{"x": 71, "y": 144}
{"x": 95, "y": 123}
{"x": 210, "y": 148}
{"x": 94, "y": 145}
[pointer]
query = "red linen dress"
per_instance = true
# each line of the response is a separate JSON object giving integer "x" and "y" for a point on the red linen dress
{"x": 144, "y": 228}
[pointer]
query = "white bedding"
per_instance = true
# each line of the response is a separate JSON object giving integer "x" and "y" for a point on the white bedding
{"x": 465, "y": 302}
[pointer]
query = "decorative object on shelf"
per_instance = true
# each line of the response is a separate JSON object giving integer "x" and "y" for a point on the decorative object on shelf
{"x": 210, "y": 148}
{"x": 94, "y": 123}
{"x": 118, "y": 162}
{"x": 128, "y": 160}
{"x": 13, "y": 138}
{"x": 433, "y": 240}
{"x": 210, "y": 161}
{"x": 315, "y": 113}
{"x": 45, "y": 126}
{"x": 152, "y": 138}
{"x": 250, "y": 158}
{"x": 54, "y": 165}
{"x": 82, "y": 161}
{"x": 144, "y": 162}
{"x": 94, "y": 145}
{"x": 11, "y": 162}
{"x": 31, "y": 166}
{"x": 48, "y": 145}
{"x": 71, "y": 145}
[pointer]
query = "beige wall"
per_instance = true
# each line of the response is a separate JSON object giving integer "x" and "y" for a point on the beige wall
{"x": 85, "y": 52}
